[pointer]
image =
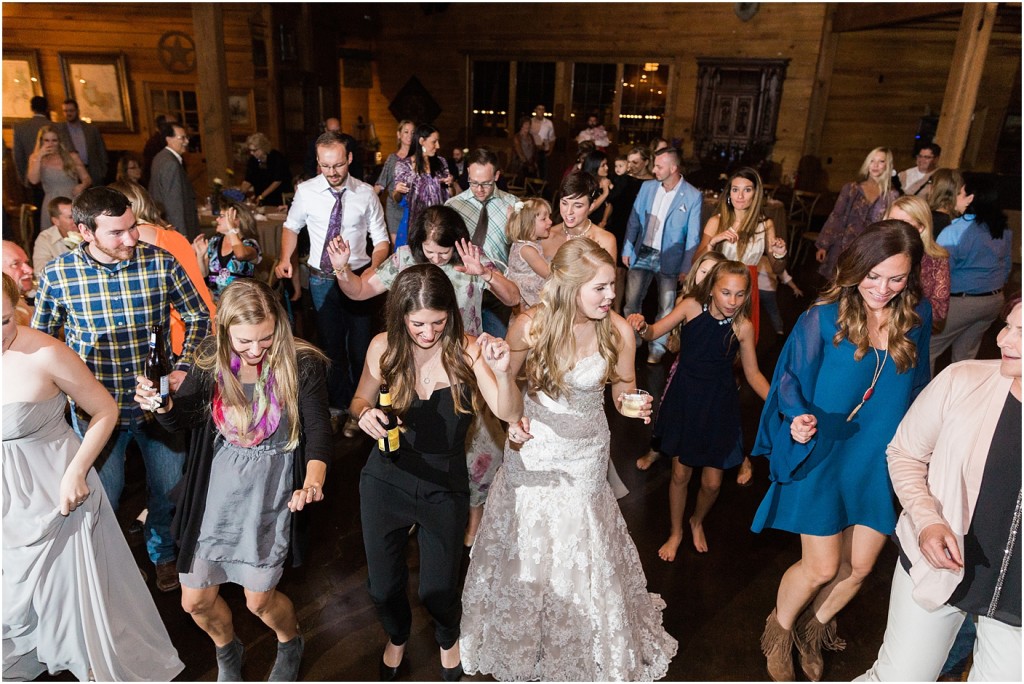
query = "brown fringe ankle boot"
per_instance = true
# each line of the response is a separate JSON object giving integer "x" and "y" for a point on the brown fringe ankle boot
{"x": 810, "y": 636}
{"x": 777, "y": 646}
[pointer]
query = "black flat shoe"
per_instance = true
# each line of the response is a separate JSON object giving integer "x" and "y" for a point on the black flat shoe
{"x": 452, "y": 674}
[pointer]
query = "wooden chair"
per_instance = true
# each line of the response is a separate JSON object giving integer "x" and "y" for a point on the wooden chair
{"x": 801, "y": 212}
{"x": 286, "y": 198}
{"x": 517, "y": 189}
{"x": 535, "y": 187}
{"x": 26, "y": 227}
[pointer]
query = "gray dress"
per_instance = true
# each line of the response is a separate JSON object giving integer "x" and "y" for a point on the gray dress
{"x": 243, "y": 538}
{"x": 392, "y": 210}
{"x": 73, "y": 598}
{"x": 56, "y": 183}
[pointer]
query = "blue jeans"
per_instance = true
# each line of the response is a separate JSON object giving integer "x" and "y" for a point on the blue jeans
{"x": 163, "y": 454}
{"x": 344, "y": 329}
{"x": 647, "y": 267}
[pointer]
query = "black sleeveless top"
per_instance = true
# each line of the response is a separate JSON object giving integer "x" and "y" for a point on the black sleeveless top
{"x": 433, "y": 446}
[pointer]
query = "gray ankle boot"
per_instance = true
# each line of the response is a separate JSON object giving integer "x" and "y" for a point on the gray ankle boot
{"x": 289, "y": 656}
{"x": 229, "y": 661}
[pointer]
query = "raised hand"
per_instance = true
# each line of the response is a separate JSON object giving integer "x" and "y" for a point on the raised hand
{"x": 339, "y": 252}
{"x": 471, "y": 258}
{"x": 495, "y": 352}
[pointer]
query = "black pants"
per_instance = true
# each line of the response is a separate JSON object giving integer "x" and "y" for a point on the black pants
{"x": 387, "y": 511}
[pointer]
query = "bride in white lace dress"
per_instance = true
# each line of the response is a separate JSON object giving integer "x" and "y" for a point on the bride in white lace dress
{"x": 555, "y": 589}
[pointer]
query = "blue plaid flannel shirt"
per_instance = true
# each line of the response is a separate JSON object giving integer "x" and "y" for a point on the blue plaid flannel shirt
{"x": 106, "y": 313}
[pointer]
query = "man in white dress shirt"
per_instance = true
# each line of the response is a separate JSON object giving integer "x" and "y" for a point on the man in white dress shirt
{"x": 915, "y": 179}
{"x": 335, "y": 203}
{"x": 543, "y": 132}
{"x": 53, "y": 241}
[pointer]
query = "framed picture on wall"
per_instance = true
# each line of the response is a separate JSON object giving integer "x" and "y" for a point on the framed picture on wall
{"x": 99, "y": 82}
{"x": 21, "y": 82}
{"x": 242, "y": 111}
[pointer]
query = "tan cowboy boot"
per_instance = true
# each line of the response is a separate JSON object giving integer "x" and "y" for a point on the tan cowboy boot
{"x": 810, "y": 636}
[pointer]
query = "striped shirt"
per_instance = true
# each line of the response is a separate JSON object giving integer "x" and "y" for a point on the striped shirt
{"x": 107, "y": 311}
{"x": 496, "y": 245}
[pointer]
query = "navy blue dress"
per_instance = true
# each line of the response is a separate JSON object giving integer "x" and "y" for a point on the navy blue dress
{"x": 840, "y": 477}
{"x": 699, "y": 419}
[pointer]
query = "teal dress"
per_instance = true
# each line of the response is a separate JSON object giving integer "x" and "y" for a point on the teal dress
{"x": 840, "y": 477}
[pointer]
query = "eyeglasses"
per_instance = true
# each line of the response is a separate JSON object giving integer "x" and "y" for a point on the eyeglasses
{"x": 181, "y": 137}
{"x": 336, "y": 167}
{"x": 926, "y": 156}
{"x": 485, "y": 186}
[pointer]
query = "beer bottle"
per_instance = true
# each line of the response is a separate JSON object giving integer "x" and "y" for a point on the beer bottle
{"x": 157, "y": 367}
{"x": 388, "y": 444}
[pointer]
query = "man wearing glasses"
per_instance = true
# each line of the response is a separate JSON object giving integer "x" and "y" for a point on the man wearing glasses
{"x": 485, "y": 210}
{"x": 917, "y": 179}
{"x": 169, "y": 184}
{"x": 328, "y": 205}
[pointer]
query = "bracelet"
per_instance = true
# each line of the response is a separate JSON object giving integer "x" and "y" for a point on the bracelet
{"x": 643, "y": 331}
{"x": 492, "y": 276}
{"x": 363, "y": 412}
{"x": 780, "y": 256}
{"x": 339, "y": 271}
{"x": 232, "y": 231}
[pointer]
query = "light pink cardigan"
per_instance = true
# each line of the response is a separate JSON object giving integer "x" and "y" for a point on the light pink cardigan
{"x": 936, "y": 462}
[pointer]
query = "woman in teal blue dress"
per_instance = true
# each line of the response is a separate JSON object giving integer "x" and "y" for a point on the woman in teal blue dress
{"x": 848, "y": 373}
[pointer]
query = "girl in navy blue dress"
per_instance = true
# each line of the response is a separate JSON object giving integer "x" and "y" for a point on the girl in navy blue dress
{"x": 699, "y": 419}
{"x": 847, "y": 374}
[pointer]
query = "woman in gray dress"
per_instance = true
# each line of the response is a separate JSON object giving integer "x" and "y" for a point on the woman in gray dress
{"x": 72, "y": 597}
{"x": 256, "y": 405}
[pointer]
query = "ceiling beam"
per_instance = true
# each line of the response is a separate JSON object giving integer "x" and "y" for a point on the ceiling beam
{"x": 868, "y": 15}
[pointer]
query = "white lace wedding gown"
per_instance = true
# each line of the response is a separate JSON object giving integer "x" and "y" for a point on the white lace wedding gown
{"x": 555, "y": 590}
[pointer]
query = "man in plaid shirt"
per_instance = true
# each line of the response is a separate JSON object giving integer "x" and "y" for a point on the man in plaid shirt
{"x": 107, "y": 294}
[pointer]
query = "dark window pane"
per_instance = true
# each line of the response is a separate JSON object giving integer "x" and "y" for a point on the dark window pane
{"x": 489, "y": 106}
{"x": 535, "y": 84}
{"x": 643, "y": 102}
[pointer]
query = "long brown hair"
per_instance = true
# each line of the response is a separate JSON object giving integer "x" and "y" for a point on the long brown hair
{"x": 248, "y": 301}
{"x": 142, "y": 203}
{"x": 754, "y": 215}
{"x": 946, "y": 184}
{"x": 424, "y": 286}
{"x": 551, "y": 336}
{"x": 877, "y": 243}
{"x": 704, "y": 291}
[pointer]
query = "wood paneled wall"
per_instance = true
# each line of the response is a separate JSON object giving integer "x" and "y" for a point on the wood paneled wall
{"x": 434, "y": 48}
{"x": 885, "y": 80}
{"x": 135, "y": 29}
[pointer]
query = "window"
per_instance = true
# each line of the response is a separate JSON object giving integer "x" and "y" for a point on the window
{"x": 593, "y": 92}
{"x": 535, "y": 84}
{"x": 180, "y": 104}
{"x": 490, "y": 99}
{"x": 642, "y": 114}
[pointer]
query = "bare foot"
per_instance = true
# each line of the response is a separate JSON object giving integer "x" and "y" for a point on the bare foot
{"x": 645, "y": 462}
{"x": 667, "y": 552}
{"x": 746, "y": 472}
{"x": 451, "y": 657}
{"x": 699, "y": 542}
{"x": 393, "y": 654}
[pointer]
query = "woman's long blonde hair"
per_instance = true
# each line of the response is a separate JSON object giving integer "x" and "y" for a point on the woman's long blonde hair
{"x": 142, "y": 203}
{"x": 946, "y": 184}
{"x": 248, "y": 301}
{"x": 551, "y": 338}
{"x": 865, "y": 171}
{"x": 754, "y": 216}
{"x": 67, "y": 164}
{"x": 424, "y": 286}
{"x": 921, "y": 214}
{"x": 877, "y": 243}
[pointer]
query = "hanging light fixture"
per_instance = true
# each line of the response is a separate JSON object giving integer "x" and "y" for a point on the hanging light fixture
{"x": 651, "y": 66}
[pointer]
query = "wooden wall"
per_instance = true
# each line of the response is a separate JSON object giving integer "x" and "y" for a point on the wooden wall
{"x": 434, "y": 47}
{"x": 135, "y": 29}
{"x": 884, "y": 80}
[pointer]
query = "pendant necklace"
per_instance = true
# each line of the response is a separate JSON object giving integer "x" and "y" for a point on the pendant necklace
{"x": 879, "y": 365}
{"x": 427, "y": 380}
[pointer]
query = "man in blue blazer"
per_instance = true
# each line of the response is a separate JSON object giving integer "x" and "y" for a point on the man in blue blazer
{"x": 661, "y": 236}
